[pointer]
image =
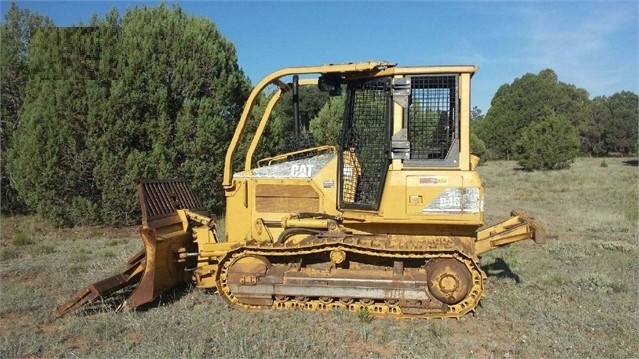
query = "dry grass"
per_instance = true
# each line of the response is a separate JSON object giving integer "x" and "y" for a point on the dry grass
{"x": 575, "y": 296}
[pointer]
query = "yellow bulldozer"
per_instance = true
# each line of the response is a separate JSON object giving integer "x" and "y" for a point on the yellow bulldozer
{"x": 390, "y": 221}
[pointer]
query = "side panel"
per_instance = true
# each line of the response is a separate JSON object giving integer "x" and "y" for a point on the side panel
{"x": 425, "y": 202}
{"x": 433, "y": 193}
{"x": 266, "y": 195}
{"x": 237, "y": 223}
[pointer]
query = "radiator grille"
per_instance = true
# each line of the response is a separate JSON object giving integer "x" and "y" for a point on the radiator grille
{"x": 277, "y": 198}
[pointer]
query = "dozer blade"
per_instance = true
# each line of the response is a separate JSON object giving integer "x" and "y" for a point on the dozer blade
{"x": 156, "y": 268}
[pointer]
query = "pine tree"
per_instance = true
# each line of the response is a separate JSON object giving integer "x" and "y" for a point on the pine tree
{"x": 327, "y": 125}
{"x": 52, "y": 156}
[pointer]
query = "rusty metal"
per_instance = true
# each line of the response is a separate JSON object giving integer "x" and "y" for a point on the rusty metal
{"x": 516, "y": 228}
{"x": 396, "y": 286}
{"x": 449, "y": 281}
{"x": 162, "y": 198}
{"x": 105, "y": 287}
{"x": 163, "y": 236}
{"x": 158, "y": 266}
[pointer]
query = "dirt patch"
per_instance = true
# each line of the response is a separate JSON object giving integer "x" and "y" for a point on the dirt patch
{"x": 134, "y": 337}
{"x": 361, "y": 349}
{"x": 75, "y": 342}
{"x": 11, "y": 321}
{"x": 49, "y": 328}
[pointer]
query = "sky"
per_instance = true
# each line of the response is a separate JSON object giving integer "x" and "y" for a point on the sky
{"x": 590, "y": 44}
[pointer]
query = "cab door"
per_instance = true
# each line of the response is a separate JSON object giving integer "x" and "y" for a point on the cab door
{"x": 363, "y": 160}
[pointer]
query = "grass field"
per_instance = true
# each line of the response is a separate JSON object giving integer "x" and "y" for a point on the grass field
{"x": 574, "y": 297}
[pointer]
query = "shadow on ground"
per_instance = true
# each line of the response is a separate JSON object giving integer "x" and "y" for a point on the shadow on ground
{"x": 500, "y": 269}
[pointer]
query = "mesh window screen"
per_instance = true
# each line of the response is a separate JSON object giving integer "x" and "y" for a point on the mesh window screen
{"x": 432, "y": 116}
{"x": 364, "y": 144}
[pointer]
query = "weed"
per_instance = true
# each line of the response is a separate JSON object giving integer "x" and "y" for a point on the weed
{"x": 363, "y": 334}
{"x": 364, "y": 315}
{"x": 631, "y": 213}
{"x": 510, "y": 257}
{"x": 570, "y": 250}
{"x": 75, "y": 269}
{"x": 9, "y": 253}
{"x": 221, "y": 229}
{"x": 619, "y": 287}
{"x": 557, "y": 280}
{"x": 616, "y": 246}
{"x": 95, "y": 232}
{"x": 115, "y": 242}
{"x": 341, "y": 314}
{"x": 596, "y": 282}
{"x": 43, "y": 249}
{"x": 79, "y": 256}
{"x": 21, "y": 239}
{"x": 603, "y": 163}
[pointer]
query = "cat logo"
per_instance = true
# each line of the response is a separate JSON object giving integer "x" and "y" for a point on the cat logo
{"x": 301, "y": 171}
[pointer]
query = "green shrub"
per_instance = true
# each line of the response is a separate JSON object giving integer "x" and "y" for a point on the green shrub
{"x": 43, "y": 249}
{"x": 549, "y": 144}
{"x": 326, "y": 126}
{"x": 603, "y": 163}
{"x": 478, "y": 147}
{"x": 21, "y": 239}
{"x": 526, "y": 101}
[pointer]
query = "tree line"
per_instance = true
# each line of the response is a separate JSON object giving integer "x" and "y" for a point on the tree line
{"x": 152, "y": 93}
{"x": 544, "y": 123}
{"x": 88, "y": 111}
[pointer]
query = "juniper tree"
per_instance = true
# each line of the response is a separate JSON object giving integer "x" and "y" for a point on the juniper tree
{"x": 152, "y": 94}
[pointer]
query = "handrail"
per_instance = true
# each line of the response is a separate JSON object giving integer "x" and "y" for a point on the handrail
{"x": 327, "y": 148}
{"x": 265, "y": 117}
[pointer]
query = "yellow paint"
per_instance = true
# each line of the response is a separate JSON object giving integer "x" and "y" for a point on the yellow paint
{"x": 432, "y": 209}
